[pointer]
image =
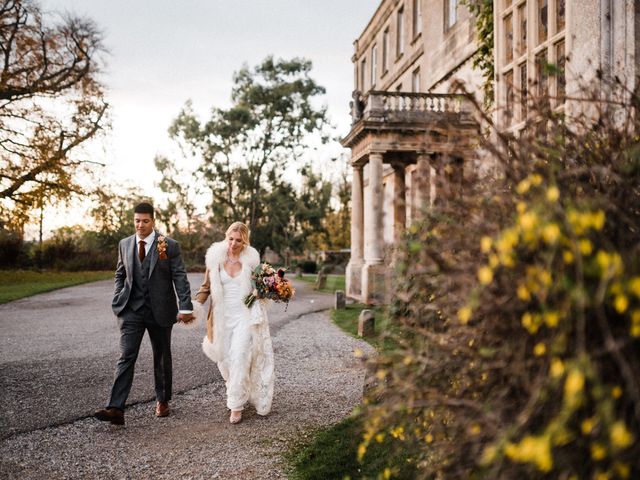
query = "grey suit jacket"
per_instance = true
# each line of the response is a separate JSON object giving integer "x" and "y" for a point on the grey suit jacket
{"x": 167, "y": 278}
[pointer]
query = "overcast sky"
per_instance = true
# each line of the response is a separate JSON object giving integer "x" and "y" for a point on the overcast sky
{"x": 163, "y": 52}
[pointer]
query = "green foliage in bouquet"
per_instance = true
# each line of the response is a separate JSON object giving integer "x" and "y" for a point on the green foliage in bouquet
{"x": 522, "y": 296}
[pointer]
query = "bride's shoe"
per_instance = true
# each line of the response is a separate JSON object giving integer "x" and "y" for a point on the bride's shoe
{"x": 236, "y": 416}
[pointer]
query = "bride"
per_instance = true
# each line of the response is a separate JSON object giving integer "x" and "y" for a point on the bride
{"x": 238, "y": 338}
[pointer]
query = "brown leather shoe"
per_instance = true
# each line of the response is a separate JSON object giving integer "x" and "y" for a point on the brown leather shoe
{"x": 113, "y": 415}
{"x": 162, "y": 409}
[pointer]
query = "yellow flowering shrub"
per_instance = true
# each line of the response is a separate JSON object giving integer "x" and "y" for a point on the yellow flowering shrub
{"x": 521, "y": 314}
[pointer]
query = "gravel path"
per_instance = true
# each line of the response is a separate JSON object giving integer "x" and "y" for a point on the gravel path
{"x": 318, "y": 382}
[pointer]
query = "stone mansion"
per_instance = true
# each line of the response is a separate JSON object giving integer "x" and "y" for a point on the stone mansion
{"x": 406, "y": 63}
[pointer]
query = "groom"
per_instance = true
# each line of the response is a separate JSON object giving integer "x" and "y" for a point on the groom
{"x": 149, "y": 269}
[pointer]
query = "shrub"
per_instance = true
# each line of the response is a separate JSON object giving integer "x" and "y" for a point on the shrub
{"x": 523, "y": 298}
{"x": 309, "y": 266}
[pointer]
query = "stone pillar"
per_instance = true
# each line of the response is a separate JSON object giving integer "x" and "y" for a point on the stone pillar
{"x": 373, "y": 271}
{"x": 425, "y": 190}
{"x": 399, "y": 203}
{"x": 354, "y": 268}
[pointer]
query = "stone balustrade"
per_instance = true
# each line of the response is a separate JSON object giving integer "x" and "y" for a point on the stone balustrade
{"x": 390, "y": 106}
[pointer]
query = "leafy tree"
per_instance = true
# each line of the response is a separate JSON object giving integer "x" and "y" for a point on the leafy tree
{"x": 245, "y": 149}
{"x": 51, "y": 103}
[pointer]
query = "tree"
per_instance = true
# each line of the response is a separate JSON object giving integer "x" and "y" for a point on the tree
{"x": 51, "y": 103}
{"x": 246, "y": 148}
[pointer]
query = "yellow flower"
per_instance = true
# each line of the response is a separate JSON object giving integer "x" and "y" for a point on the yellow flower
{"x": 528, "y": 322}
{"x": 635, "y": 317}
{"x": 616, "y": 392}
{"x": 362, "y": 449}
{"x": 545, "y": 277}
{"x": 573, "y": 386}
{"x": 428, "y": 438}
{"x": 536, "y": 179}
{"x": 485, "y": 244}
{"x": 553, "y": 194}
{"x": 587, "y": 426}
{"x": 464, "y": 315}
{"x": 634, "y": 286}
{"x": 551, "y": 233}
{"x": 381, "y": 374}
{"x": 493, "y": 260}
{"x": 536, "y": 450}
{"x": 598, "y": 452}
{"x": 622, "y": 469}
{"x": 523, "y": 293}
{"x": 635, "y": 331}
{"x": 489, "y": 454}
{"x": 379, "y": 437}
{"x": 567, "y": 256}
{"x": 407, "y": 360}
{"x": 475, "y": 429}
{"x": 387, "y": 473}
{"x": 528, "y": 221}
{"x": 540, "y": 349}
{"x": 523, "y": 186}
{"x": 557, "y": 368}
{"x": 601, "y": 476}
{"x": 485, "y": 275}
{"x": 597, "y": 220}
{"x": 521, "y": 207}
{"x": 551, "y": 319}
{"x": 621, "y": 303}
{"x": 620, "y": 437}
{"x": 585, "y": 246}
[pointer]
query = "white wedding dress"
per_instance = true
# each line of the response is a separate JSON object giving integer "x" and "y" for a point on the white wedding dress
{"x": 236, "y": 365}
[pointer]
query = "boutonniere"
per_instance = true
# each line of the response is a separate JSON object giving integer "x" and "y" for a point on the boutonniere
{"x": 162, "y": 247}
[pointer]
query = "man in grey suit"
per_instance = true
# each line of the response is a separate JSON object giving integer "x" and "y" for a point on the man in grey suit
{"x": 149, "y": 274}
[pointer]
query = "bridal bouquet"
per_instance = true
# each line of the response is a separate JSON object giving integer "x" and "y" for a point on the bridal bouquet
{"x": 270, "y": 284}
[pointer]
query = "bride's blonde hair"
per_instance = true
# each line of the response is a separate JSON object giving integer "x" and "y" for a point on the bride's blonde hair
{"x": 242, "y": 229}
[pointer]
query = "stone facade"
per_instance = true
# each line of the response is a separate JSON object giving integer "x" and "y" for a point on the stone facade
{"x": 412, "y": 136}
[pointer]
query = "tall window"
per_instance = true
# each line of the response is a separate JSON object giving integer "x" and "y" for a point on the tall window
{"x": 417, "y": 17}
{"x": 522, "y": 22}
{"x": 542, "y": 76}
{"x": 508, "y": 38}
{"x": 385, "y": 51}
{"x": 415, "y": 80}
{"x": 523, "y": 91}
{"x": 450, "y": 13}
{"x": 509, "y": 97}
{"x": 560, "y": 20}
{"x": 400, "y": 32}
{"x": 363, "y": 74}
{"x": 543, "y": 20}
{"x": 374, "y": 65}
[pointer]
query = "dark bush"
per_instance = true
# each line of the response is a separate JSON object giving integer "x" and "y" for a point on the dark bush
{"x": 309, "y": 266}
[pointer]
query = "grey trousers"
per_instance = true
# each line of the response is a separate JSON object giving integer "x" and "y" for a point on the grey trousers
{"x": 132, "y": 327}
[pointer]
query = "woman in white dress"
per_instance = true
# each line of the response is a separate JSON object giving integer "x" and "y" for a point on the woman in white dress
{"x": 238, "y": 338}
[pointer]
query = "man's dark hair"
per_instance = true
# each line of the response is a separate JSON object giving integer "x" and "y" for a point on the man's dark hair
{"x": 144, "y": 207}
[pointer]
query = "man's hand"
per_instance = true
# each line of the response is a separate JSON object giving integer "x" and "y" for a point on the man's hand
{"x": 186, "y": 317}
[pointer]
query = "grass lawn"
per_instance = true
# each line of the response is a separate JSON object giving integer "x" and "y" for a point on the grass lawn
{"x": 15, "y": 284}
{"x": 331, "y": 453}
{"x": 334, "y": 282}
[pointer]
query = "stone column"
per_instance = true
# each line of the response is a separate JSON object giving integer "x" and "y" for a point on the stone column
{"x": 399, "y": 203}
{"x": 373, "y": 271}
{"x": 354, "y": 268}
{"x": 425, "y": 189}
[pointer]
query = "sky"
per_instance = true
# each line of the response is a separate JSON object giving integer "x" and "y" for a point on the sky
{"x": 164, "y": 52}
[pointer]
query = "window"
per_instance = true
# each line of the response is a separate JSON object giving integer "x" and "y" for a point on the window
{"x": 417, "y": 17}
{"x": 522, "y": 22}
{"x": 523, "y": 91}
{"x": 560, "y": 20}
{"x": 543, "y": 25}
{"x": 374, "y": 65}
{"x": 385, "y": 51}
{"x": 363, "y": 74}
{"x": 509, "y": 97}
{"x": 561, "y": 82}
{"x": 542, "y": 74}
{"x": 415, "y": 80}
{"x": 508, "y": 38}
{"x": 450, "y": 13}
{"x": 400, "y": 33}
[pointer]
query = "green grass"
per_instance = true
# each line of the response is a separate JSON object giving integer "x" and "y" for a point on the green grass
{"x": 347, "y": 320}
{"x": 15, "y": 284}
{"x": 333, "y": 455}
{"x": 334, "y": 282}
